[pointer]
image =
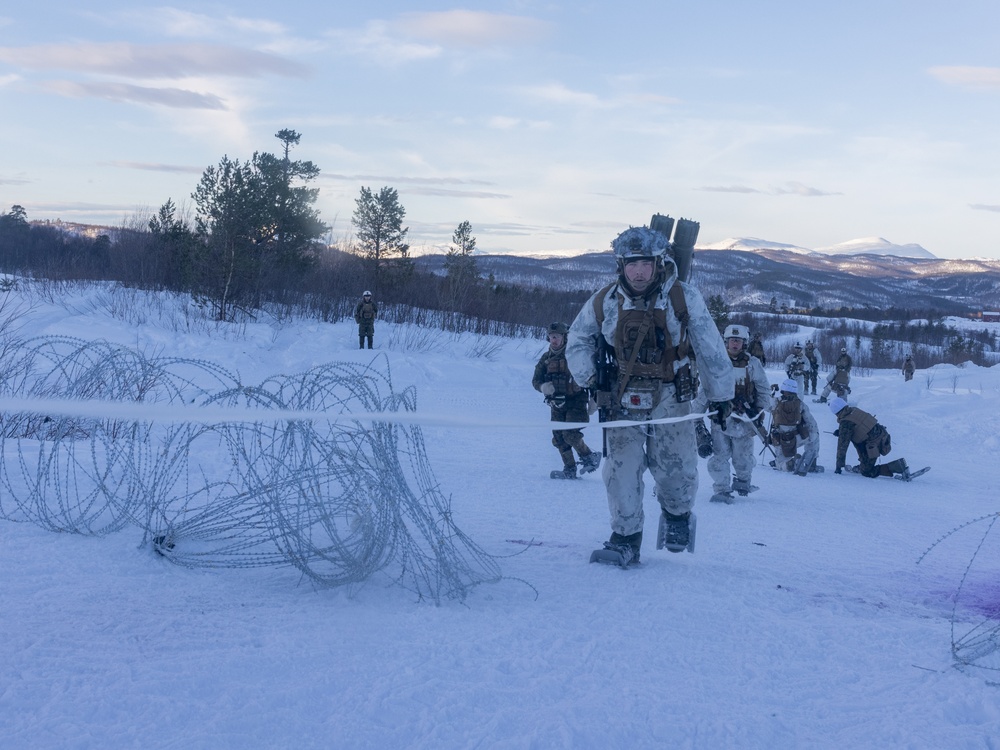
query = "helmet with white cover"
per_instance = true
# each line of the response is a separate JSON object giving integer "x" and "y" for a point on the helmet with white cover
{"x": 737, "y": 332}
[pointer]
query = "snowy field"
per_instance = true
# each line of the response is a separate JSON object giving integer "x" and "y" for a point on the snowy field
{"x": 802, "y": 621}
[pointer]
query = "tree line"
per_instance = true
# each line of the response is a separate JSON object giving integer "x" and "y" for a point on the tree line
{"x": 255, "y": 241}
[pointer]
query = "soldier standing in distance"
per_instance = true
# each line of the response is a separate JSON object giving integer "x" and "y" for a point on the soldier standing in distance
{"x": 756, "y": 349}
{"x": 796, "y": 365}
{"x": 364, "y": 315}
{"x": 815, "y": 361}
{"x": 908, "y": 368}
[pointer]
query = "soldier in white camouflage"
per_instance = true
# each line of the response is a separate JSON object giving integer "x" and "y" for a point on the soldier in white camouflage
{"x": 734, "y": 441}
{"x": 654, "y": 325}
{"x": 796, "y": 366}
{"x": 794, "y": 427}
{"x": 569, "y": 403}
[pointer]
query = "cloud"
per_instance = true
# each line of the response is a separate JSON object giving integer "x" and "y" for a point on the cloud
{"x": 557, "y": 93}
{"x": 468, "y": 28}
{"x": 13, "y": 181}
{"x": 182, "y": 23}
{"x": 968, "y": 77}
{"x": 789, "y": 188}
{"x": 123, "y": 92}
{"x": 728, "y": 189}
{"x": 153, "y": 167}
{"x": 386, "y": 180}
{"x": 152, "y": 61}
{"x": 984, "y": 207}
{"x": 375, "y": 42}
{"x": 444, "y": 192}
{"x": 7, "y": 80}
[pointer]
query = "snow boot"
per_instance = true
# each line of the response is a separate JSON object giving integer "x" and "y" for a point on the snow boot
{"x": 619, "y": 550}
{"x": 742, "y": 487}
{"x": 676, "y": 533}
{"x": 722, "y": 497}
{"x": 567, "y": 473}
{"x": 590, "y": 462}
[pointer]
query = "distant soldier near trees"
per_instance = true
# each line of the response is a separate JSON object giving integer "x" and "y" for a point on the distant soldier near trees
{"x": 756, "y": 349}
{"x": 815, "y": 361}
{"x": 908, "y": 367}
{"x": 364, "y": 315}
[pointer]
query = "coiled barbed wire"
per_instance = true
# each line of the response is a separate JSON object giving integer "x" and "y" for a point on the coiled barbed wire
{"x": 977, "y": 645}
{"x": 341, "y": 500}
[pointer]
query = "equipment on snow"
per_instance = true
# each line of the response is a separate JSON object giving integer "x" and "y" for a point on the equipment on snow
{"x": 910, "y": 475}
{"x": 564, "y": 474}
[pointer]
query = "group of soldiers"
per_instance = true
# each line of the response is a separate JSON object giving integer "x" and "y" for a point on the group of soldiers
{"x": 646, "y": 352}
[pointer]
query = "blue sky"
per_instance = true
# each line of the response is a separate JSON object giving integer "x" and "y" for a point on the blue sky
{"x": 550, "y": 126}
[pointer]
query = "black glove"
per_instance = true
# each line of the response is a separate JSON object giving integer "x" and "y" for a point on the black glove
{"x": 836, "y": 433}
{"x": 722, "y": 411}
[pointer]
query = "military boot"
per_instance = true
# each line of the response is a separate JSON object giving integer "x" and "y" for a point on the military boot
{"x": 676, "y": 533}
{"x": 628, "y": 546}
{"x": 590, "y": 462}
{"x": 896, "y": 467}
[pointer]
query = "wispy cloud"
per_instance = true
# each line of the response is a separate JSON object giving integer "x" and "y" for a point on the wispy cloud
{"x": 968, "y": 76}
{"x": 152, "y": 61}
{"x": 789, "y": 188}
{"x": 558, "y": 93}
{"x": 123, "y": 92}
{"x": 181, "y": 23}
{"x": 375, "y": 41}
{"x": 13, "y": 181}
{"x": 729, "y": 189}
{"x": 468, "y": 28}
{"x": 8, "y": 79}
{"x": 154, "y": 167}
{"x": 984, "y": 207}
{"x": 391, "y": 180}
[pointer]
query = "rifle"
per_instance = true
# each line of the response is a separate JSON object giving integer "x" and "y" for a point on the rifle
{"x": 754, "y": 425}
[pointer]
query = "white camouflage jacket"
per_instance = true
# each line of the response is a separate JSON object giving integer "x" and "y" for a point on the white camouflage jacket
{"x": 715, "y": 369}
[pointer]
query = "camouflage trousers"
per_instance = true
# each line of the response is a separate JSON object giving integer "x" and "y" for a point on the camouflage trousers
{"x": 736, "y": 446}
{"x": 366, "y": 330}
{"x": 667, "y": 451}
{"x": 810, "y": 379}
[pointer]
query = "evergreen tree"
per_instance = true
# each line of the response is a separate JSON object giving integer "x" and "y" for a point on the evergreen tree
{"x": 378, "y": 220}
{"x": 719, "y": 311}
{"x": 256, "y": 225}
{"x": 461, "y": 272}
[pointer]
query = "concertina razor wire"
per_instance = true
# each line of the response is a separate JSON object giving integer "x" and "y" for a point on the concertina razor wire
{"x": 340, "y": 500}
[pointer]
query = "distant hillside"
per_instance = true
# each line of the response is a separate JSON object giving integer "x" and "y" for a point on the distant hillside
{"x": 796, "y": 279}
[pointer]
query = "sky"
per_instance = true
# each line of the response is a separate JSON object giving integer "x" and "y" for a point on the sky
{"x": 549, "y": 126}
{"x": 817, "y": 612}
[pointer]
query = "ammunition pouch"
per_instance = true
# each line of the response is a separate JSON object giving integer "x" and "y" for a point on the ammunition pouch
{"x": 685, "y": 381}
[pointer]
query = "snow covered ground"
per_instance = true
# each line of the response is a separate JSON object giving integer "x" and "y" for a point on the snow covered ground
{"x": 803, "y": 619}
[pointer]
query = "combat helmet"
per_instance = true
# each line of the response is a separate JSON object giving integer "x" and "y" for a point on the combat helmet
{"x": 558, "y": 328}
{"x": 641, "y": 243}
{"x": 737, "y": 332}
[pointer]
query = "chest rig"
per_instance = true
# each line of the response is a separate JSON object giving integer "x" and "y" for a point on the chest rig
{"x": 745, "y": 394}
{"x": 557, "y": 372}
{"x": 645, "y": 354}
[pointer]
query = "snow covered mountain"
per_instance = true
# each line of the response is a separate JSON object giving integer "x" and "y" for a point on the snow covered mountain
{"x": 752, "y": 244}
{"x": 862, "y": 246}
{"x": 876, "y": 246}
